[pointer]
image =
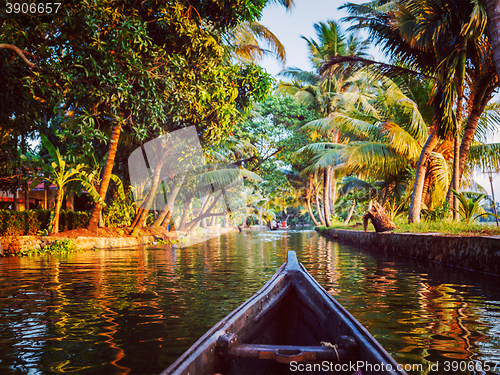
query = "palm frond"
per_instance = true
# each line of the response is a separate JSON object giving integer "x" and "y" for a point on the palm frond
{"x": 401, "y": 141}
{"x": 417, "y": 127}
{"x": 488, "y": 123}
{"x": 439, "y": 173}
{"x": 486, "y": 156}
{"x": 374, "y": 159}
{"x": 318, "y": 147}
{"x": 226, "y": 176}
{"x": 353, "y": 184}
{"x": 300, "y": 75}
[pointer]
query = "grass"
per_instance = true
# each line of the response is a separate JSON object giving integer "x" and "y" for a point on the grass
{"x": 446, "y": 227}
{"x": 56, "y": 247}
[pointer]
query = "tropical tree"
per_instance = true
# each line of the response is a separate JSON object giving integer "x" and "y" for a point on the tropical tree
{"x": 470, "y": 207}
{"x": 322, "y": 93}
{"x": 438, "y": 39}
{"x": 381, "y": 141}
{"x": 492, "y": 7}
{"x": 60, "y": 174}
{"x": 143, "y": 67}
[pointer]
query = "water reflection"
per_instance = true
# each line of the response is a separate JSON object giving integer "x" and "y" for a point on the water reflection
{"x": 135, "y": 311}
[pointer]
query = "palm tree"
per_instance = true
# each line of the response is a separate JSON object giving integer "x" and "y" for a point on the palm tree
{"x": 382, "y": 141}
{"x": 311, "y": 88}
{"x": 434, "y": 37}
{"x": 492, "y": 7}
{"x": 243, "y": 43}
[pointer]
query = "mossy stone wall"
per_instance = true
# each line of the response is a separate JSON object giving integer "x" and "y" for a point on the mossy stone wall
{"x": 475, "y": 253}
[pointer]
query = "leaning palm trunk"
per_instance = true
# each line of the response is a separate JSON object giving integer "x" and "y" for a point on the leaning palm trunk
{"x": 351, "y": 210}
{"x": 141, "y": 222}
{"x": 472, "y": 122}
{"x": 310, "y": 192}
{"x": 326, "y": 196}
{"x": 207, "y": 212}
{"x": 185, "y": 212}
{"x": 416, "y": 197}
{"x": 166, "y": 221}
{"x": 169, "y": 206}
{"x": 319, "y": 210}
{"x": 493, "y": 11}
{"x": 103, "y": 189}
{"x": 308, "y": 202}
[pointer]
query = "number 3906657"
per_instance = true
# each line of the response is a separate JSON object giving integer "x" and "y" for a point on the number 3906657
{"x": 33, "y": 8}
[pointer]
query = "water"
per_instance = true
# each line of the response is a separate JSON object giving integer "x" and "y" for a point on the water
{"x": 135, "y": 311}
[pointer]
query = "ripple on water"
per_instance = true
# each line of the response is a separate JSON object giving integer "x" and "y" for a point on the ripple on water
{"x": 137, "y": 310}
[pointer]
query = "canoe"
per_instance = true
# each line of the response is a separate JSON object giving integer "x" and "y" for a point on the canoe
{"x": 292, "y": 325}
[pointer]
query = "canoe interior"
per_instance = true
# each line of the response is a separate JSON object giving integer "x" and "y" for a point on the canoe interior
{"x": 291, "y": 322}
{"x": 291, "y": 309}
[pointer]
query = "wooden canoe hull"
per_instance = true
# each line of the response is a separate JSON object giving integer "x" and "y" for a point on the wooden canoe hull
{"x": 291, "y": 309}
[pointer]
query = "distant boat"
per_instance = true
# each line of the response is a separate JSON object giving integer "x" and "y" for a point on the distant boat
{"x": 292, "y": 319}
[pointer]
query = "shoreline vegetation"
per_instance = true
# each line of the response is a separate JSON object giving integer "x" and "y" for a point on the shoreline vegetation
{"x": 436, "y": 227}
{"x": 105, "y": 238}
{"x": 169, "y": 122}
{"x": 65, "y": 241}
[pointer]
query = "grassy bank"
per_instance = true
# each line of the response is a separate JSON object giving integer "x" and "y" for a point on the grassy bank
{"x": 445, "y": 227}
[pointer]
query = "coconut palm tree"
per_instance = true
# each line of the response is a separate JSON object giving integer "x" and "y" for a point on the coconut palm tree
{"x": 312, "y": 89}
{"x": 435, "y": 37}
{"x": 382, "y": 141}
{"x": 245, "y": 43}
{"x": 492, "y": 7}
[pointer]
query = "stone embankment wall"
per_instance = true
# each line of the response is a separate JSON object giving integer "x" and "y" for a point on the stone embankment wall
{"x": 15, "y": 244}
{"x": 475, "y": 253}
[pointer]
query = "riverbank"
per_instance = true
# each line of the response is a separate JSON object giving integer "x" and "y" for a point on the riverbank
{"x": 106, "y": 238}
{"x": 478, "y": 253}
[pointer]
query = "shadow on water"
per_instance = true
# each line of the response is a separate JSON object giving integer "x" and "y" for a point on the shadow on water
{"x": 134, "y": 311}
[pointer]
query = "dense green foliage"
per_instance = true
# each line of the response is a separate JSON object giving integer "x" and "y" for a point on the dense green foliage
{"x": 101, "y": 78}
{"x": 32, "y": 222}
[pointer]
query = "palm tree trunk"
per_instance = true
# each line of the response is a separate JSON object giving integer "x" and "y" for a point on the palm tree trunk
{"x": 206, "y": 212}
{"x": 166, "y": 221}
{"x": 493, "y": 11}
{"x": 261, "y": 213}
{"x": 318, "y": 209}
{"x": 425, "y": 190}
{"x": 326, "y": 195}
{"x": 55, "y": 222}
{"x": 185, "y": 212}
{"x": 351, "y": 210}
{"x": 333, "y": 192}
{"x": 308, "y": 201}
{"x": 416, "y": 197}
{"x": 169, "y": 206}
{"x": 151, "y": 196}
{"x": 456, "y": 173}
{"x": 310, "y": 192}
{"x": 470, "y": 131}
{"x": 103, "y": 189}
{"x": 46, "y": 195}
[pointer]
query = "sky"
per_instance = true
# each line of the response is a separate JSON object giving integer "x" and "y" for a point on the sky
{"x": 289, "y": 26}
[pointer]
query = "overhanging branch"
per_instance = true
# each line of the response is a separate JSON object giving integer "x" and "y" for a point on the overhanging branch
{"x": 19, "y": 52}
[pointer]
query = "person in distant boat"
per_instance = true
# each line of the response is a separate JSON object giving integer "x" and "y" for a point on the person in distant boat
{"x": 274, "y": 224}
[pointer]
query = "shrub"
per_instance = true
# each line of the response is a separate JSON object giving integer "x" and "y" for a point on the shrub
{"x": 56, "y": 247}
{"x": 18, "y": 223}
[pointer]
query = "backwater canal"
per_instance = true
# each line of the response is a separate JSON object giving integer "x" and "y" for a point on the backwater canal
{"x": 134, "y": 311}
